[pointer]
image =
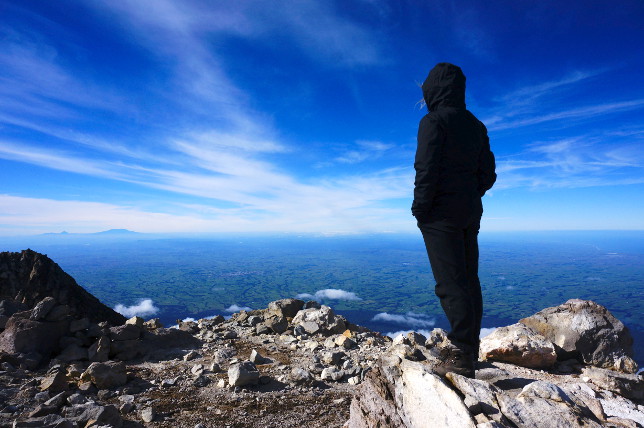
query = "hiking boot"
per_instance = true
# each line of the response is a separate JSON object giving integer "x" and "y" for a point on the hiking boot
{"x": 455, "y": 360}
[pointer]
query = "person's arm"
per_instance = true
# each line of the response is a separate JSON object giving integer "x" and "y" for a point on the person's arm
{"x": 427, "y": 166}
{"x": 486, "y": 172}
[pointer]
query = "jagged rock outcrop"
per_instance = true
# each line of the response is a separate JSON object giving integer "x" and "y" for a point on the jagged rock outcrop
{"x": 506, "y": 395}
{"x": 29, "y": 277}
{"x": 63, "y": 324}
{"x": 587, "y": 331}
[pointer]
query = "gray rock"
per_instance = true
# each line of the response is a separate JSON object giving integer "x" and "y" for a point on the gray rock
{"x": 622, "y": 408}
{"x": 345, "y": 342}
{"x": 276, "y": 323}
{"x": 257, "y": 358}
{"x": 333, "y": 357}
{"x": 76, "y": 399}
{"x": 520, "y": 345}
{"x": 73, "y": 352}
{"x": 22, "y": 335}
{"x": 286, "y": 308}
{"x": 99, "y": 351}
{"x": 57, "y": 400}
{"x": 136, "y": 321}
{"x": 42, "y": 308}
{"x": 49, "y": 421}
{"x": 191, "y": 356}
{"x": 627, "y": 385}
{"x": 327, "y": 321}
{"x": 125, "y": 332}
{"x": 153, "y": 324}
{"x": 55, "y": 382}
{"x": 101, "y": 415}
{"x": 106, "y": 375}
{"x": 42, "y": 410}
{"x": 148, "y": 414}
{"x": 229, "y": 334}
{"x": 42, "y": 396}
{"x": 332, "y": 373}
{"x": 309, "y": 327}
{"x": 300, "y": 376}
{"x": 529, "y": 412}
{"x": 586, "y": 330}
{"x": 416, "y": 339}
{"x": 223, "y": 355}
{"x": 79, "y": 325}
{"x": 405, "y": 393}
{"x": 244, "y": 373}
{"x": 125, "y": 350}
{"x": 262, "y": 329}
{"x": 253, "y": 320}
{"x": 480, "y": 396}
{"x": 59, "y": 313}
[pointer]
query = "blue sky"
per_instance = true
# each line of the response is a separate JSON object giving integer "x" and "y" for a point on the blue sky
{"x": 301, "y": 116}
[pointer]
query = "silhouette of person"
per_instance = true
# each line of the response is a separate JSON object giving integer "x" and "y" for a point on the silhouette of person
{"x": 454, "y": 168}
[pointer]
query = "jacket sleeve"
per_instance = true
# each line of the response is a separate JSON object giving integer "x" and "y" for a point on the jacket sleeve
{"x": 427, "y": 165}
{"x": 486, "y": 174}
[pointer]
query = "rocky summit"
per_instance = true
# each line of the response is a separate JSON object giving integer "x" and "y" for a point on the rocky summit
{"x": 295, "y": 364}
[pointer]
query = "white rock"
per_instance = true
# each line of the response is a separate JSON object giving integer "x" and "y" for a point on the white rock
{"x": 622, "y": 408}
{"x": 520, "y": 345}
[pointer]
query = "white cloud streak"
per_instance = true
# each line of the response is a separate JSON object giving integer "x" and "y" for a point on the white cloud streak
{"x": 411, "y": 319}
{"x": 143, "y": 309}
{"x": 236, "y": 308}
{"x": 330, "y": 294}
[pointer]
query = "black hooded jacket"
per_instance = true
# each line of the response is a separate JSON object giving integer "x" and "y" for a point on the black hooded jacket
{"x": 454, "y": 165}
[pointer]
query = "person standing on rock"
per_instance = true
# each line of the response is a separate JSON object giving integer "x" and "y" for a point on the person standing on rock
{"x": 454, "y": 168}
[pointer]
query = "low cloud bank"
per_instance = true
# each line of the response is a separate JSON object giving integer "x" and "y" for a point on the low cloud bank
{"x": 144, "y": 308}
{"x": 236, "y": 308}
{"x": 329, "y": 294}
{"x": 411, "y": 319}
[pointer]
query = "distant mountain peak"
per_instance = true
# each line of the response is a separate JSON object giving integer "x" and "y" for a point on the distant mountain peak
{"x": 116, "y": 232}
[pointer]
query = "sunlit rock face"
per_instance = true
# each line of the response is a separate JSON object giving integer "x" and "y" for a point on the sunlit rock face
{"x": 588, "y": 331}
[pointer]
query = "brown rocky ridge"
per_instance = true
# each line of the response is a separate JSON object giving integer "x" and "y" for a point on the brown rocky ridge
{"x": 296, "y": 364}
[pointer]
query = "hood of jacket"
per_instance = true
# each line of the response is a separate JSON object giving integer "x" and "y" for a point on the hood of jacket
{"x": 444, "y": 87}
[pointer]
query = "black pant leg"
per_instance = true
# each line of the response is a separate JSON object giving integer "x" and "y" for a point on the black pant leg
{"x": 474, "y": 285}
{"x": 453, "y": 255}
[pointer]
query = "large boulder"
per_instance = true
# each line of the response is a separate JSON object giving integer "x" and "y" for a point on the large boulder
{"x": 106, "y": 375}
{"x": 520, "y": 345}
{"x": 402, "y": 393}
{"x": 286, "y": 308}
{"x": 23, "y": 335}
{"x": 322, "y": 320}
{"x": 587, "y": 331}
{"x": 28, "y": 277}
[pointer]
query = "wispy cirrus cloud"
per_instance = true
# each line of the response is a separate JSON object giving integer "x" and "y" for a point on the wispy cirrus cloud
{"x": 578, "y": 113}
{"x": 583, "y": 161}
{"x": 525, "y": 105}
{"x": 366, "y": 150}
